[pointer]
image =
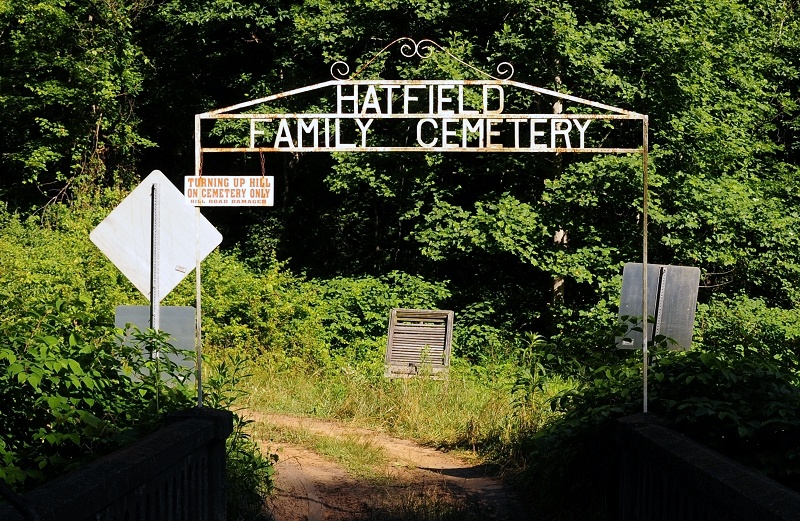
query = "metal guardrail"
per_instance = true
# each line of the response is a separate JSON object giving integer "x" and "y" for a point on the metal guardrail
{"x": 175, "y": 474}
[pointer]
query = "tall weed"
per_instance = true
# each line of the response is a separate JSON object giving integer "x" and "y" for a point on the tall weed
{"x": 472, "y": 410}
{"x": 249, "y": 476}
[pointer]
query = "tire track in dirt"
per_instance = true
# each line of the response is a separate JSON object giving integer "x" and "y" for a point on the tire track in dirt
{"x": 312, "y": 488}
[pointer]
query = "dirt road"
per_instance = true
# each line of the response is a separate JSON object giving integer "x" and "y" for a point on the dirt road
{"x": 311, "y": 487}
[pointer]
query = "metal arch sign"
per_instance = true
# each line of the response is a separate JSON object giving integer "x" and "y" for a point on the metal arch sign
{"x": 441, "y": 115}
{"x": 433, "y": 115}
{"x": 436, "y": 116}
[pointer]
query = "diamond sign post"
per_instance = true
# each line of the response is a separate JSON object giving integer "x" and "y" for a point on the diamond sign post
{"x": 155, "y": 240}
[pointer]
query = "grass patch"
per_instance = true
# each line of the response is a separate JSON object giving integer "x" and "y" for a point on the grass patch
{"x": 425, "y": 503}
{"x": 392, "y": 500}
{"x": 476, "y": 411}
{"x": 358, "y": 456}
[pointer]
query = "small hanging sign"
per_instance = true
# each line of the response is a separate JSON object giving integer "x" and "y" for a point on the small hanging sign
{"x": 229, "y": 190}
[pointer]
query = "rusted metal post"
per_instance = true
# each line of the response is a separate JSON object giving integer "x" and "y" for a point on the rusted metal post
{"x": 198, "y": 154}
{"x": 198, "y": 311}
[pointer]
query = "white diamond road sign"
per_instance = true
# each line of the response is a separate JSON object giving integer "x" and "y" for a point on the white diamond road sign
{"x": 125, "y": 236}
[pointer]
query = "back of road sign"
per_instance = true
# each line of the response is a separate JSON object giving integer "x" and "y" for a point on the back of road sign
{"x": 671, "y": 302}
{"x": 177, "y": 321}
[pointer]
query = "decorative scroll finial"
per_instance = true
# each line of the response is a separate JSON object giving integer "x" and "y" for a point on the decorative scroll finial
{"x": 340, "y": 70}
{"x": 505, "y": 69}
{"x": 422, "y": 49}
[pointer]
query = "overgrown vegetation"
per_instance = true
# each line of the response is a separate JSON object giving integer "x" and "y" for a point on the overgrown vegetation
{"x": 315, "y": 347}
{"x": 72, "y": 387}
{"x": 526, "y": 248}
{"x": 71, "y": 390}
{"x": 249, "y": 473}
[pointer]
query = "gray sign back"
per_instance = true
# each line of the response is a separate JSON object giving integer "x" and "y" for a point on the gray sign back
{"x": 177, "y": 321}
{"x": 671, "y": 301}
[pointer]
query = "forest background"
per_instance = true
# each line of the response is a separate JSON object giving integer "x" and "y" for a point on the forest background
{"x": 527, "y": 249}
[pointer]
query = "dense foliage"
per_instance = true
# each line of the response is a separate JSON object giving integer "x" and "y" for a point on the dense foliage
{"x": 745, "y": 408}
{"x": 95, "y": 95}
{"x": 69, "y": 75}
{"x": 719, "y": 81}
{"x": 71, "y": 390}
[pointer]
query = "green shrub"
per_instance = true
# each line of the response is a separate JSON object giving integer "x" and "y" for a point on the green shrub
{"x": 265, "y": 312}
{"x": 477, "y": 338}
{"x": 71, "y": 391}
{"x": 743, "y": 407}
{"x": 355, "y": 312}
{"x": 249, "y": 474}
{"x": 41, "y": 260}
{"x": 749, "y": 327}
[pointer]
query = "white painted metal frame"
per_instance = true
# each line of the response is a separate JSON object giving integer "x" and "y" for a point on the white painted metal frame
{"x": 424, "y": 49}
{"x": 332, "y": 120}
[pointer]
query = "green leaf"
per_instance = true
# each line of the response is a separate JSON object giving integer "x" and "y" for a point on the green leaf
{"x": 56, "y": 402}
{"x": 34, "y": 380}
{"x": 75, "y": 367}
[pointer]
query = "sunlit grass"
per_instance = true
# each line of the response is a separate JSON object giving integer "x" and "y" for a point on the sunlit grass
{"x": 490, "y": 412}
{"x": 469, "y": 410}
{"x": 358, "y": 456}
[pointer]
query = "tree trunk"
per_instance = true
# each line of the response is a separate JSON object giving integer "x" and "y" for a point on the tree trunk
{"x": 560, "y": 236}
